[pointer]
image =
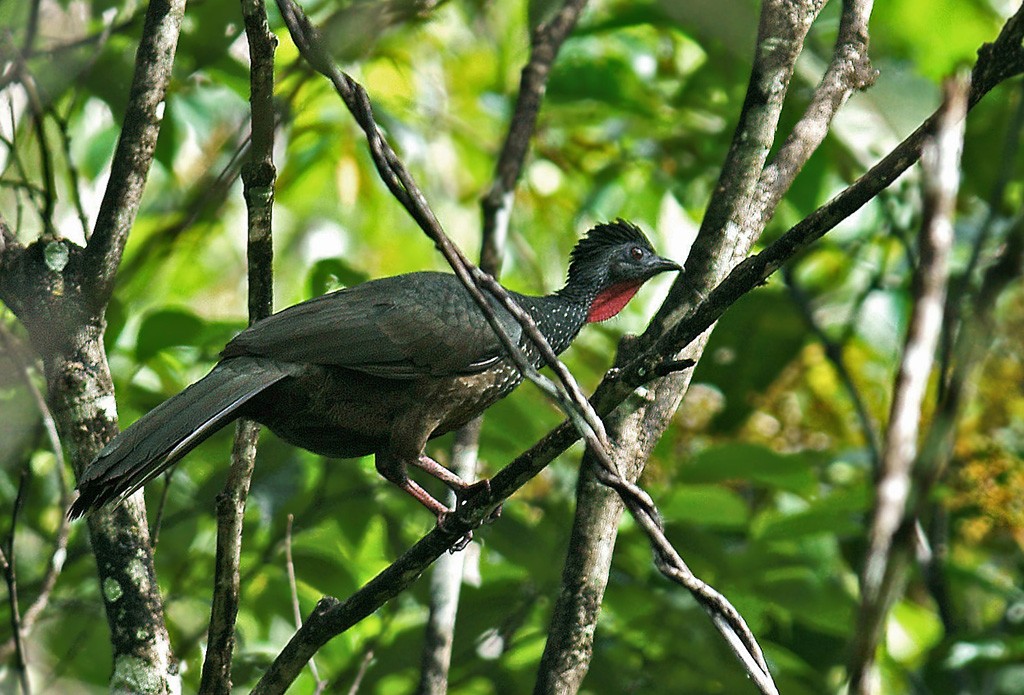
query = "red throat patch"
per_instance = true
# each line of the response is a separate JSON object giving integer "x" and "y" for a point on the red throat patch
{"x": 610, "y": 301}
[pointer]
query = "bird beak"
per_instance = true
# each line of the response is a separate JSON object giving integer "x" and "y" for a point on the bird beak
{"x": 657, "y": 265}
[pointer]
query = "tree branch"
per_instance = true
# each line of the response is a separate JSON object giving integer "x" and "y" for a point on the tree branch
{"x": 572, "y": 401}
{"x": 7, "y": 564}
{"x": 849, "y": 70}
{"x": 834, "y": 353}
{"x": 135, "y": 147}
{"x": 59, "y": 292}
{"x": 546, "y": 40}
{"x": 755, "y": 270}
{"x": 258, "y": 176}
{"x": 446, "y": 578}
{"x": 60, "y": 542}
{"x": 730, "y": 225}
{"x": 883, "y": 572}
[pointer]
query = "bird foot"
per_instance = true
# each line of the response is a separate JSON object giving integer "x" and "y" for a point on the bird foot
{"x": 444, "y": 523}
{"x": 465, "y": 495}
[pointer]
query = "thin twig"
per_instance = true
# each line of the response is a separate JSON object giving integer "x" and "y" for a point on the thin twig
{"x": 364, "y": 666}
{"x": 546, "y": 40}
{"x": 71, "y": 165}
{"x": 60, "y": 542}
{"x": 45, "y": 155}
{"x": 293, "y": 586}
{"x": 883, "y": 572}
{"x": 161, "y": 507}
{"x": 7, "y": 564}
{"x": 834, "y": 353}
{"x": 961, "y": 292}
{"x": 258, "y": 177}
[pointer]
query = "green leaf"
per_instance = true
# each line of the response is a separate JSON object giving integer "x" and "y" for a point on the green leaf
{"x": 707, "y": 505}
{"x": 840, "y": 515}
{"x": 752, "y": 463}
{"x": 754, "y": 341}
{"x": 166, "y": 328}
{"x": 329, "y": 274}
{"x": 98, "y": 152}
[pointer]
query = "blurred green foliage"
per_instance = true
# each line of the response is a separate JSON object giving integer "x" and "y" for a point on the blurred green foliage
{"x": 764, "y": 480}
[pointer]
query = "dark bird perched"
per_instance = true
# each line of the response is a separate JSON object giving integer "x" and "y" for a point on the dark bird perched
{"x": 378, "y": 368}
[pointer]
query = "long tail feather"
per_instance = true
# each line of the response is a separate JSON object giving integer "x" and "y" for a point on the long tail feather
{"x": 157, "y": 440}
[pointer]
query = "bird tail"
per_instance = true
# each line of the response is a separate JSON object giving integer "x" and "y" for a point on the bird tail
{"x": 158, "y": 439}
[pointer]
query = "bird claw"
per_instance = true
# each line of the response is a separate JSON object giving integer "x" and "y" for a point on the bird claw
{"x": 444, "y": 523}
{"x": 466, "y": 495}
{"x": 463, "y": 497}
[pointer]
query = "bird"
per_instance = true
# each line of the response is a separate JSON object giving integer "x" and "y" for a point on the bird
{"x": 377, "y": 368}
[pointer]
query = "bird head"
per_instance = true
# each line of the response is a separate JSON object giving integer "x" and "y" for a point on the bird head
{"x": 609, "y": 265}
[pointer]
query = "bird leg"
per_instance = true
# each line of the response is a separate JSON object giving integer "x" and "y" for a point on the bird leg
{"x": 394, "y": 471}
{"x": 464, "y": 492}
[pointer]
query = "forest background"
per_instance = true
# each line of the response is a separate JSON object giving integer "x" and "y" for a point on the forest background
{"x": 767, "y": 474}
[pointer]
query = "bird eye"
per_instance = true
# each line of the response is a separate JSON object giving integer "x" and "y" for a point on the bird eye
{"x": 636, "y": 253}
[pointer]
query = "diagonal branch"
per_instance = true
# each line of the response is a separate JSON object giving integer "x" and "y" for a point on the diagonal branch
{"x": 572, "y": 400}
{"x": 7, "y": 565}
{"x": 997, "y": 62}
{"x": 332, "y": 616}
{"x": 60, "y": 541}
{"x": 135, "y": 147}
{"x": 736, "y": 215}
{"x": 545, "y": 41}
{"x": 834, "y": 353}
{"x": 730, "y": 216}
{"x": 400, "y": 182}
{"x": 849, "y": 70}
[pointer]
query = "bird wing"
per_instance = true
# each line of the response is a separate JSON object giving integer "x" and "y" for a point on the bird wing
{"x": 399, "y": 327}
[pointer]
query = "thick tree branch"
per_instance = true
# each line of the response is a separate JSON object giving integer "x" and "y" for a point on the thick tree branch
{"x": 781, "y": 32}
{"x": 258, "y": 176}
{"x": 755, "y": 270}
{"x": 59, "y": 290}
{"x": 884, "y": 566}
{"x": 135, "y": 147}
{"x": 729, "y": 228}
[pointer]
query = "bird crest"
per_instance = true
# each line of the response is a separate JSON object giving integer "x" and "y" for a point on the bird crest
{"x": 592, "y": 249}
